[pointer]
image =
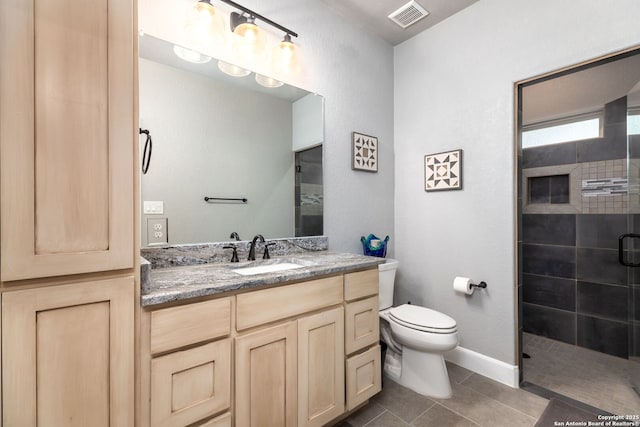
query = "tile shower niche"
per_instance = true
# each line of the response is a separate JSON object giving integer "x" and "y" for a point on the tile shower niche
{"x": 549, "y": 189}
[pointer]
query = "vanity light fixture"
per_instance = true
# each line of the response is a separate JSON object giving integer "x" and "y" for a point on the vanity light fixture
{"x": 249, "y": 40}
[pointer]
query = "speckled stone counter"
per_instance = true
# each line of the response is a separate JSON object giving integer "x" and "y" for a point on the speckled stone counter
{"x": 191, "y": 281}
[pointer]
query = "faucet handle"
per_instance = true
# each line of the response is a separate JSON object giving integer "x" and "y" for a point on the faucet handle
{"x": 234, "y": 255}
{"x": 266, "y": 254}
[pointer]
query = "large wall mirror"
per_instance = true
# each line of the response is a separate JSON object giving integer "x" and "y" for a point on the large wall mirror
{"x": 225, "y": 137}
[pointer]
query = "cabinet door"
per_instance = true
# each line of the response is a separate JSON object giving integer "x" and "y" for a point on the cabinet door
{"x": 320, "y": 367}
{"x": 68, "y": 355}
{"x": 266, "y": 376}
{"x": 190, "y": 385}
{"x": 66, "y": 137}
{"x": 364, "y": 377}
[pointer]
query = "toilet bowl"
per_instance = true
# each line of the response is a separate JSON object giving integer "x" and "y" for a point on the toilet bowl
{"x": 421, "y": 334}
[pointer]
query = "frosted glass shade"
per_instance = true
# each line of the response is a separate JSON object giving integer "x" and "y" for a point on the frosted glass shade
{"x": 205, "y": 25}
{"x": 249, "y": 40}
{"x": 285, "y": 57}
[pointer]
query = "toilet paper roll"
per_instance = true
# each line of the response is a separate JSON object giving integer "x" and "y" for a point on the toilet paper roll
{"x": 463, "y": 285}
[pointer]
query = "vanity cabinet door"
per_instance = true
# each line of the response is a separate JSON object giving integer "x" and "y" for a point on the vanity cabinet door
{"x": 364, "y": 377}
{"x": 190, "y": 385}
{"x": 67, "y": 137}
{"x": 320, "y": 367}
{"x": 266, "y": 377}
{"x": 68, "y": 355}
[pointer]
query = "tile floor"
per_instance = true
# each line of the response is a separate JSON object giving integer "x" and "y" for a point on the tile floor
{"x": 594, "y": 378}
{"x": 476, "y": 401}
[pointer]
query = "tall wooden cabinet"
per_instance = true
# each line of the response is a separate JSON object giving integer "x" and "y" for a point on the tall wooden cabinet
{"x": 67, "y": 210}
{"x": 66, "y": 137}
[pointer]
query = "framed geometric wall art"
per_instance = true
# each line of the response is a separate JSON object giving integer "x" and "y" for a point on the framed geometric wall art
{"x": 364, "y": 155}
{"x": 443, "y": 171}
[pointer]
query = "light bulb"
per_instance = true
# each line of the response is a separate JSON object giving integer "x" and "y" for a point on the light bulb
{"x": 286, "y": 56}
{"x": 232, "y": 70}
{"x": 204, "y": 26}
{"x": 269, "y": 82}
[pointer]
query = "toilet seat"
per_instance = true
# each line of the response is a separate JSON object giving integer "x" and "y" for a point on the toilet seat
{"x": 422, "y": 319}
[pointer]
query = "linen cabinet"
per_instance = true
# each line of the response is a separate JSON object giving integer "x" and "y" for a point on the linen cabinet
{"x": 67, "y": 210}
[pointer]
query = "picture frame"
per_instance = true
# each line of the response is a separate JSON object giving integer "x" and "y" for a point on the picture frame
{"x": 364, "y": 153}
{"x": 443, "y": 171}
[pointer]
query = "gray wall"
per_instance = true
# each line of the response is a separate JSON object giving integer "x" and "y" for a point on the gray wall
{"x": 454, "y": 88}
{"x": 201, "y": 148}
{"x": 353, "y": 70}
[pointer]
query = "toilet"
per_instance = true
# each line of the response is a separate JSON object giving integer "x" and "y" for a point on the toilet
{"x": 421, "y": 335}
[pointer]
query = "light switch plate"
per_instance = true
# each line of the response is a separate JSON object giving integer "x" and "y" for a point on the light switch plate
{"x": 157, "y": 231}
{"x": 152, "y": 207}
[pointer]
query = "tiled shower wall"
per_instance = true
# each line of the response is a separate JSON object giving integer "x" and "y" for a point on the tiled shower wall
{"x": 572, "y": 287}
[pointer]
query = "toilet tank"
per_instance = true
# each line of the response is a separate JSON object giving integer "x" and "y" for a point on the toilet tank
{"x": 386, "y": 278}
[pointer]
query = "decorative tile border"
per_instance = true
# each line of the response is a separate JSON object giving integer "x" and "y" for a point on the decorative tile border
{"x": 604, "y": 187}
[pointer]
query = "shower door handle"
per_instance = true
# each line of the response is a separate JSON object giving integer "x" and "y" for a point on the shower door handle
{"x": 621, "y": 250}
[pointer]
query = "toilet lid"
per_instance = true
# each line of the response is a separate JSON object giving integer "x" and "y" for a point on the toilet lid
{"x": 423, "y": 319}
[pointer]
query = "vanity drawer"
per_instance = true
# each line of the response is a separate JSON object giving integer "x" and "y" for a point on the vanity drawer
{"x": 189, "y": 324}
{"x": 361, "y": 324}
{"x": 360, "y": 284}
{"x": 189, "y": 385}
{"x": 269, "y": 305}
{"x": 364, "y": 378}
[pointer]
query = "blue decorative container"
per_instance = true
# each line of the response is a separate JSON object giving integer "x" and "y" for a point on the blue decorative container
{"x": 374, "y": 246}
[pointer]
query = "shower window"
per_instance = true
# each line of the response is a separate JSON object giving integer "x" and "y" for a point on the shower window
{"x": 565, "y": 130}
{"x": 633, "y": 122}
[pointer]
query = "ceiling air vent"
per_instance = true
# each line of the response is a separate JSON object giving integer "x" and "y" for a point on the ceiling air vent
{"x": 408, "y": 14}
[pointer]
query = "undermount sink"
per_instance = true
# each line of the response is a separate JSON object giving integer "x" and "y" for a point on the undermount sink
{"x": 270, "y": 268}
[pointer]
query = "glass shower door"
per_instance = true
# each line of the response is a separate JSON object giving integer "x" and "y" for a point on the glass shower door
{"x": 633, "y": 225}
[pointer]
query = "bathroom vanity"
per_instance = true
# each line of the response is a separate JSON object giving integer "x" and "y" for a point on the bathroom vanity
{"x": 292, "y": 347}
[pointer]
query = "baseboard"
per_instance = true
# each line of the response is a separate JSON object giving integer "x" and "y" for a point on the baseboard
{"x": 484, "y": 365}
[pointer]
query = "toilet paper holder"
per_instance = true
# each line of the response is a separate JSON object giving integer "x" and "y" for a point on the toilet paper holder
{"x": 479, "y": 285}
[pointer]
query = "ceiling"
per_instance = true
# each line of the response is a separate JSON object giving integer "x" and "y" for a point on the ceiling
{"x": 372, "y": 15}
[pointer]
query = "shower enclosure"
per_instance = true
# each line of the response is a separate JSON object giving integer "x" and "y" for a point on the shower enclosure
{"x": 579, "y": 207}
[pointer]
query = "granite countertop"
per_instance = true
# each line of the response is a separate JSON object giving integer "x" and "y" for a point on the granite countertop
{"x": 179, "y": 283}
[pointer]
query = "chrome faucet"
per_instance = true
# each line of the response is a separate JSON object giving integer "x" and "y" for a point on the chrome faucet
{"x": 235, "y": 236}
{"x": 252, "y": 248}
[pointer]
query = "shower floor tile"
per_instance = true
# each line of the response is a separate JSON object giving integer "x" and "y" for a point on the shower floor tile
{"x": 596, "y": 379}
